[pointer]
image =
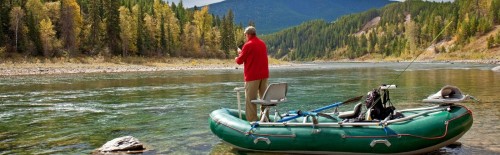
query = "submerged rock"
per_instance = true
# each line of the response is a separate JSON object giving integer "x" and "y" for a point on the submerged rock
{"x": 127, "y": 143}
{"x": 496, "y": 69}
{"x": 454, "y": 145}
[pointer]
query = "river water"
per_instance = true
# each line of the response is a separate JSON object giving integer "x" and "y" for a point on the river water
{"x": 168, "y": 111}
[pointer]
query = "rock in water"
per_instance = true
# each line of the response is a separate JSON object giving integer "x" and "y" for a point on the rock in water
{"x": 127, "y": 143}
{"x": 454, "y": 145}
{"x": 496, "y": 69}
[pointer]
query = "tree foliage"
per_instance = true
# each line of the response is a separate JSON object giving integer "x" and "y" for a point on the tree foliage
{"x": 112, "y": 28}
{"x": 398, "y": 29}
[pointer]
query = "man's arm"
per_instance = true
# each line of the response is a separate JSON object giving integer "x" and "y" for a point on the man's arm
{"x": 242, "y": 55}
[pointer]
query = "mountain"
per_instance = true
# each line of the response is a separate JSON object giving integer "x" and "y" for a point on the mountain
{"x": 274, "y": 15}
{"x": 404, "y": 30}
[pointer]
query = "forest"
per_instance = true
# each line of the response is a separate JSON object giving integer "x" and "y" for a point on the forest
{"x": 114, "y": 28}
{"x": 399, "y": 30}
{"x": 154, "y": 29}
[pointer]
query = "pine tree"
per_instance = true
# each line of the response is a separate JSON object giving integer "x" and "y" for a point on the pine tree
{"x": 180, "y": 12}
{"x": 228, "y": 41}
{"x": 113, "y": 26}
{"x": 495, "y": 11}
{"x": 3, "y": 21}
{"x": 139, "y": 42}
{"x": 94, "y": 40}
{"x": 34, "y": 35}
{"x": 490, "y": 42}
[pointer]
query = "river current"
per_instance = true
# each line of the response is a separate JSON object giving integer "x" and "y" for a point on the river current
{"x": 168, "y": 111}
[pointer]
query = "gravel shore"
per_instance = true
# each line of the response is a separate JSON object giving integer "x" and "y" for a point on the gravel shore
{"x": 74, "y": 68}
{"x": 43, "y": 69}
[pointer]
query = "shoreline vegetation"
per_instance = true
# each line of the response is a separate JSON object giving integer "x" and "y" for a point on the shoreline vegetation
{"x": 75, "y": 36}
{"x": 35, "y": 66}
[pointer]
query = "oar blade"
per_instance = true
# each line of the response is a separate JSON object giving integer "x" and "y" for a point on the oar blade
{"x": 355, "y": 99}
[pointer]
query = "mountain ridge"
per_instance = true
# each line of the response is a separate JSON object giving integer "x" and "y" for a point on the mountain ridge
{"x": 272, "y": 16}
{"x": 442, "y": 30}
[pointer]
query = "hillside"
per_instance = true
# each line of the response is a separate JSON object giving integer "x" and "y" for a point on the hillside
{"x": 476, "y": 49}
{"x": 455, "y": 30}
{"x": 274, "y": 15}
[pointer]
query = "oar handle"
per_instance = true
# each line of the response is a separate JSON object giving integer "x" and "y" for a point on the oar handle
{"x": 328, "y": 107}
{"x": 338, "y": 104}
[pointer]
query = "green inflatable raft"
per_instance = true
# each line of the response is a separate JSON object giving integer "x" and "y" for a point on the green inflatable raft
{"x": 410, "y": 131}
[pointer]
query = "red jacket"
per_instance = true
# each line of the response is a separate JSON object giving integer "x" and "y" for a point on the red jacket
{"x": 254, "y": 57}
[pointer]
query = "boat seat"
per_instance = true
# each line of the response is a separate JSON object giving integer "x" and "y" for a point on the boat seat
{"x": 275, "y": 93}
{"x": 352, "y": 114}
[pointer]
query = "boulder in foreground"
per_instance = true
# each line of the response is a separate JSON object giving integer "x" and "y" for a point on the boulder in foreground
{"x": 496, "y": 69}
{"x": 126, "y": 143}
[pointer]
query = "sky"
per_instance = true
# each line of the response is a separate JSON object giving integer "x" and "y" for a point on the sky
{"x": 192, "y": 3}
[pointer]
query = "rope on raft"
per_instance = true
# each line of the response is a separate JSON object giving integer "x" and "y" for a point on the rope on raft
{"x": 410, "y": 135}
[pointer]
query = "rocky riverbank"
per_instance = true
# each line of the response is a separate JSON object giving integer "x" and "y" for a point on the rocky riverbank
{"x": 10, "y": 69}
{"x": 42, "y": 69}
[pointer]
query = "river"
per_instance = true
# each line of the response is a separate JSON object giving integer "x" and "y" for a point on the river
{"x": 168, "y": 111}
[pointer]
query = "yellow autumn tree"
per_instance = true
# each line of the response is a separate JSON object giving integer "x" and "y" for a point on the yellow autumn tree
{"x": 203, "y": 22}
{"x": 190, "y": 42}
{"x": 38, "y": 9}
{"x": 128, "y": 31}
{"x": 167, "y": 26}
{"x": 71, "y": 25}
{"x": 53, "y": 11}
{"x": 48, "y": 37}
{"x": 151, "y": 35}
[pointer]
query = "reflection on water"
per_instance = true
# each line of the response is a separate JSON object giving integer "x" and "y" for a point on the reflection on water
{"x": 168, "y": 111}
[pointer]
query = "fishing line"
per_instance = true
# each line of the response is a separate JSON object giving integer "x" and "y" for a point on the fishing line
{"x": 393, "y": 81}
{"x": 433, "y": 40}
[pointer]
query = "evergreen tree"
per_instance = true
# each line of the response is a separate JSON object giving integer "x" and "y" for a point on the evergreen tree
{"x": 94, "y": 41}
{"x": 180, "y": 12}
{"x": 139, "y": 42}
{"x": 113, "y": 26}
{"x": 494, "y": 12}
{"x": 490, "y": 42}
{"x": 228, "y": 41}
{"x": 34, "y": 35}
{"x": 3, "y": 22}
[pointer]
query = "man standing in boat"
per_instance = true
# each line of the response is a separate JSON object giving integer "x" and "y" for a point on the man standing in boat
{"x": 256, "y": 70}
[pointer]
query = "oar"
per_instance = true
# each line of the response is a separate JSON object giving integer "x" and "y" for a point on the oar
{"x": 309, "y": 113}
{"x": 338, "y": 104}
{"x": 322, "y": 108}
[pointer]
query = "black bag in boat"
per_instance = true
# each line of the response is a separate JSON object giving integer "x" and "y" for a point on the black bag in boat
{"x": 376, "y": 103}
